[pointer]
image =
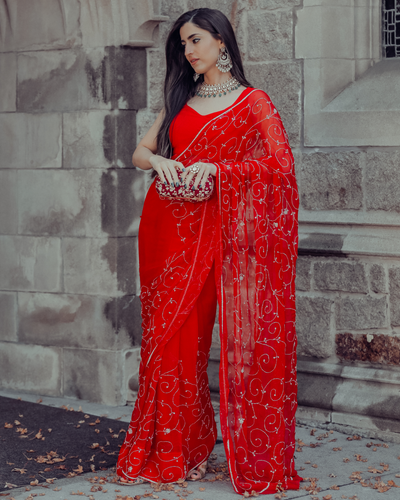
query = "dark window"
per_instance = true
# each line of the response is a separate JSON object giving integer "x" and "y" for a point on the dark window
{"x": 391, "y": 28}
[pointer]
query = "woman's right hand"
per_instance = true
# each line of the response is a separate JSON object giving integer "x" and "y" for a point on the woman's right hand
{"x": 167, "y": 169}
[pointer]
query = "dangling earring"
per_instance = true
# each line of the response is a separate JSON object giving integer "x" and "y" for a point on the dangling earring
{"x": 196, "y": 76}
{"x": 224, "y": 62}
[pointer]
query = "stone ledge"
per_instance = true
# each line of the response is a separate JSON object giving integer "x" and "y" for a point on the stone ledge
{"x": 391, "y": 376}
{"x": 376, "y": 428}
{"x": 316, "y": 239}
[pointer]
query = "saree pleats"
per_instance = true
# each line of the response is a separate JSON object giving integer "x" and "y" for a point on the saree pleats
{"x": 244, "y": 238}
{"x": 173, "y": 429}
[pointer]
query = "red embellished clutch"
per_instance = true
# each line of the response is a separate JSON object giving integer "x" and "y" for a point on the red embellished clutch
{"x": 182, "y": 193}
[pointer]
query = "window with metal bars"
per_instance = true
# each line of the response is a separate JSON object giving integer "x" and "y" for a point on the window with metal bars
{"x": 391, "y": 28}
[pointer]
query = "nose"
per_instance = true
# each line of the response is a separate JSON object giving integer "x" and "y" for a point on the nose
{"x": 188, "y": 50}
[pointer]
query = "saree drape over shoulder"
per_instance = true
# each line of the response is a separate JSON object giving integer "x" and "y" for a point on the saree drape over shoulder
{"x": 239, "y": 246}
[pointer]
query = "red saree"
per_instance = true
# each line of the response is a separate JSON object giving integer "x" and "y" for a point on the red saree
{"x": 241, "y": 245}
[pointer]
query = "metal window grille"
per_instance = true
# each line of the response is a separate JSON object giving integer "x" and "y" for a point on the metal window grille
{"x": 391, "y": 28}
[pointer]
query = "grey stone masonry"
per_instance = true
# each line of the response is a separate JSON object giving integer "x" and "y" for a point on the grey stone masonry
{"x": 361, "y": 313}
{"x": 313, "y": 326}
{"x": 382, "y": 181}
{"x": 377, "y": 278}
{"x": 341, "y": 276}
{"x": 8, "y": 202}
{"x": 31, "y": 368}
{"x": 303, "y": 274}
{"x": 8, "y": 315}
{"x": 274, "y": 35}
{"x": 30, "y": 263}
{"x": 394, "y": 287}
{"x": 270, "y": 77}
{"x": 331, "y": 181}
{"x": 8, "y": 80}
{"x": 96, "y": 375}
{"x": 30, "y": 141}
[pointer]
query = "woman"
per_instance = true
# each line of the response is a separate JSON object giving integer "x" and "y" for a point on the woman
{"x": 239, "y": 247}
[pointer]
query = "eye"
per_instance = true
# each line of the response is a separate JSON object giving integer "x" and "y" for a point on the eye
{"x": 195, "y": 40}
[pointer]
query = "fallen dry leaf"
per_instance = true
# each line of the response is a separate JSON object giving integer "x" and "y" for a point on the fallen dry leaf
{"x": 79, "y": 469}
{"x": 327, "y": 497}
{"x": 8, "y": 426}
{"x": 21, "y": 471}
{"x": 16, "y": 422}
{"x": 40, "y": 400}
{"x": 39, "y": 435}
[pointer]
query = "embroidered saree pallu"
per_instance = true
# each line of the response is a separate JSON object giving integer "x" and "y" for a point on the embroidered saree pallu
{"x": 248, "y": 229}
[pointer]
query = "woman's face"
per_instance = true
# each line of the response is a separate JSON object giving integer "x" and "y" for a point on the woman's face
{"x": 201, "y": 48}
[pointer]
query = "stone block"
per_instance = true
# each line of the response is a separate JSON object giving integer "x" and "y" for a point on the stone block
{"x": 122, "y": 197}
{"x": 361, "y": 313}
{"x": 8, "y": 326}
{"x": 119, "y": 138}
{"x": 144, "y": 120}
{"x": 99, "y": 139}
{"x": 271, "y": 78}
{"x": 83, "y": 140}
{"x": 124, "y": 314}
{"x": 340, "y": 276}
{"x": 377, "y": 278}
{"x": 8, "y": 82}
{"x": 68, "y": 321}
{"x": 60, "y": 202}
{"x": 325, "y": 32}
{"x": 313, "y": 318}
{"x": 63, "y": 80}
{"x": 373, "y": 348}
{"x": 100, "y": 78}
{"x": 100, "y": 266}
{"x": 30, "y": 141}
{"x": 132, "y": 363}
{"x": 156, "y": 67}
{"x": 273, "y": 35}
{"x": 95, "y": 375}
{"x": 29, "y": 263}
{"x": 39, "y": 25}
{"x": 382, "y": 181}
{"x": 316, "y": 390}
{"x": 331, "y": 181}
{"x": 303, "y": 274}
{"x": 368, "y": 398}
{"x": 8, "y": 202}
{"x": 228, "y": 7}
{"x": 394, "y": 289}
{"x": 31, "y": 368}
{"x": 278, "y": 4}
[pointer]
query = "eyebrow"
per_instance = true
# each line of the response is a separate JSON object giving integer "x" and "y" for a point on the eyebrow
{"x": 191, "y": 36}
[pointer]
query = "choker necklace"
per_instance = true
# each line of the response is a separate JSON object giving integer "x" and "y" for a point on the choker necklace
{"x": 218, "y": 90}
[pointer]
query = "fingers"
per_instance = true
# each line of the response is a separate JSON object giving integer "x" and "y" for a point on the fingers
{"x": 168, "y": 171}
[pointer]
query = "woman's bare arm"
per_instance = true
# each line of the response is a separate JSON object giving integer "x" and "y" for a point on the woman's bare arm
{"x": 145, "y": 156}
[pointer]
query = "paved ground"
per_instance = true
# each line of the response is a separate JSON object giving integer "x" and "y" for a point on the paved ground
{"x": 337, "y": 467}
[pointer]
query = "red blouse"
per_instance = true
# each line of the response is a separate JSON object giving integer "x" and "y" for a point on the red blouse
{"x": 188, "y": 122}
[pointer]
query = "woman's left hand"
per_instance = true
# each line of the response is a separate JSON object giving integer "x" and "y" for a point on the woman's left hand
{"x": 201, "y": 171}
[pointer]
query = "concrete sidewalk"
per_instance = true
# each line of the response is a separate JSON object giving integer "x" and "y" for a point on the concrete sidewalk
{"x": 340, "y": 466}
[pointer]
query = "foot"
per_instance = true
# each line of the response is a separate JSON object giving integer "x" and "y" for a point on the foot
{"x": 198, "y": 473}
{"x": 128, "y": 482}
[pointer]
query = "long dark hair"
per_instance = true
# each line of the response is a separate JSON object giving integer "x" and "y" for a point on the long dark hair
{"x": 179, "y": 85}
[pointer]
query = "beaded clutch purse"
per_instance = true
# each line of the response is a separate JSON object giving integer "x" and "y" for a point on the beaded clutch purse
{"x": 181, "y": 193}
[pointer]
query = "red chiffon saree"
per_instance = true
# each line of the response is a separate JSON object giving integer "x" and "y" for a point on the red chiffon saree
{"x": 239, "y": 246}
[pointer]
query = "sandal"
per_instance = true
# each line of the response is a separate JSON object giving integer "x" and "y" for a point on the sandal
{"x": 198, "y": 472}
{"x": 127, "y": 482}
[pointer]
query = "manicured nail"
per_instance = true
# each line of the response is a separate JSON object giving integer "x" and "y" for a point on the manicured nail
{"x": 185, "y": 186}
{"x": 183, "y": 169}
{"x": 165, "y": 182}
{"x": 172, "y": 184}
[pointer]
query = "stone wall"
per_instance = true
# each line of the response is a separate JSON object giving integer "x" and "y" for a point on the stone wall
{"x": 72, "y": 77}
{"x": 76, "y": 98}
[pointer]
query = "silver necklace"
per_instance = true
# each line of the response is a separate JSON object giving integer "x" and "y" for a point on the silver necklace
{"x": 219, "y": 89}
